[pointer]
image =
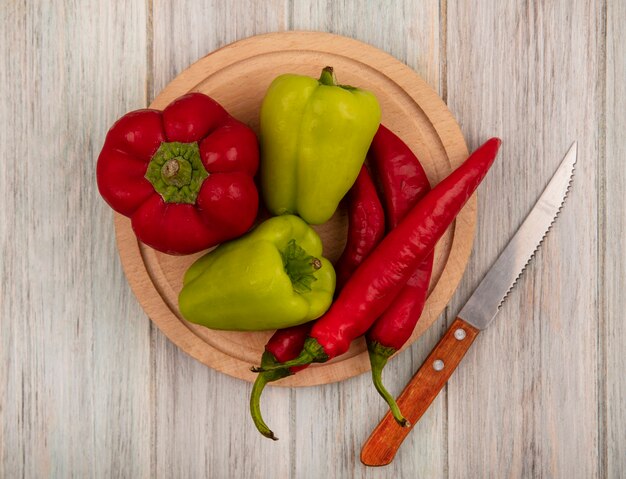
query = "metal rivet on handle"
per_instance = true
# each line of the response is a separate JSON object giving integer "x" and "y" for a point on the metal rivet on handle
{"x": 438, "y": 365}
{"x": 460, "y": 334}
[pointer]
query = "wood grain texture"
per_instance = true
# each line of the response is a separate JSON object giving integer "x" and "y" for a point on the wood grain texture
{"x": 612, "y": 367}
{"x": 88, "y": 389}
{"x": 383, "y": 444}
{"x": 524, "y": 403}
{"x": 74, "y": 345}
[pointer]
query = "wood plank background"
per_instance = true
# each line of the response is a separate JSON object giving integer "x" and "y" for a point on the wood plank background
{"x": 88, "y": 388}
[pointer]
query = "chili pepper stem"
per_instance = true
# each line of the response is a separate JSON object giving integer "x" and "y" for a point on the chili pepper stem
{"x": 255, "y": 406}
{"x": 257, "y": 389}
{"x": 379, "y": 355}
{"x": 312, "y": 352}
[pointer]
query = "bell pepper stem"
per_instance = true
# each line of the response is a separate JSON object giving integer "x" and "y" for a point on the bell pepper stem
{"x": 176, "y": 172}
{"x": 328, "y": 77}
{"x": 312, "y": 352}
{"x": 257, "y": 389}
{"x": 300, "y": 266}
{"x": 379, "y": 355}
{"x": 170, "y": 168}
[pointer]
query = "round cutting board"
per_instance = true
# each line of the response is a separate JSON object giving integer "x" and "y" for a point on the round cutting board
{"x": 237, "y": 76}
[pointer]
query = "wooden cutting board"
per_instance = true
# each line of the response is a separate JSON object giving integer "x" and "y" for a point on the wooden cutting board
{"x": 237, "y": 76}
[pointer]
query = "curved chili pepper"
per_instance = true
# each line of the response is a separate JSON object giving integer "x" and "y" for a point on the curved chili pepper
{"x": 366, "y": 225}
{"x": 403, "y": 180}
{"x": 285, "y": 344}
{"x": 378, "y": 280}
{"x": 394, "y": 328}
{"x": 404, "y": 183}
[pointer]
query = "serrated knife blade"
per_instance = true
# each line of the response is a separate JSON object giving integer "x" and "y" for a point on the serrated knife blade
{"x": 482, "y": 307}
{"x": 479, "y": 311}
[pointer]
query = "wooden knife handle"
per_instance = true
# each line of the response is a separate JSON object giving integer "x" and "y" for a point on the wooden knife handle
{"x": 382, "y": 445}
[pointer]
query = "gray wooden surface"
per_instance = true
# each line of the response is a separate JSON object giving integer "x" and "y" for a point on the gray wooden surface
{"x": 88, "y": 388}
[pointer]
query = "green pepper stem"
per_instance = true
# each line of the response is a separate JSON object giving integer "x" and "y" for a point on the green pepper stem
{"x": 379, "y": 355}
{"x": 176, "y": 172}
{"x": 328, "y": 77}
{"x": 300, "y": 266}
{"x": 312, "y": 352}
{"x": 257, "y": 389}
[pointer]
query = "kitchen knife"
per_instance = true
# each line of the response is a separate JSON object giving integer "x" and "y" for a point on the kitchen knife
{"x": 476, "y": 315}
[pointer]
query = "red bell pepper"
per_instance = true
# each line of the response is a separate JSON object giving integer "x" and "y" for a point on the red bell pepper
{"x": 184, "y": 176}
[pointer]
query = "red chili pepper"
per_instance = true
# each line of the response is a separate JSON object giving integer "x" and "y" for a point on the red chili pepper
{"x": 184, "y": 176}
{"x": 404, "y": 183}
{"x": 285, "y": 344}
{"x": 401, "y": 175}
{"x": 366, "y": 225}
{"x": 379, "y": 279}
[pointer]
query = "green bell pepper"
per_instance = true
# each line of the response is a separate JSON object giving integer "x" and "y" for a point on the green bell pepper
{"x": 273, "y": 277}
{"x": 314, "y": 138}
